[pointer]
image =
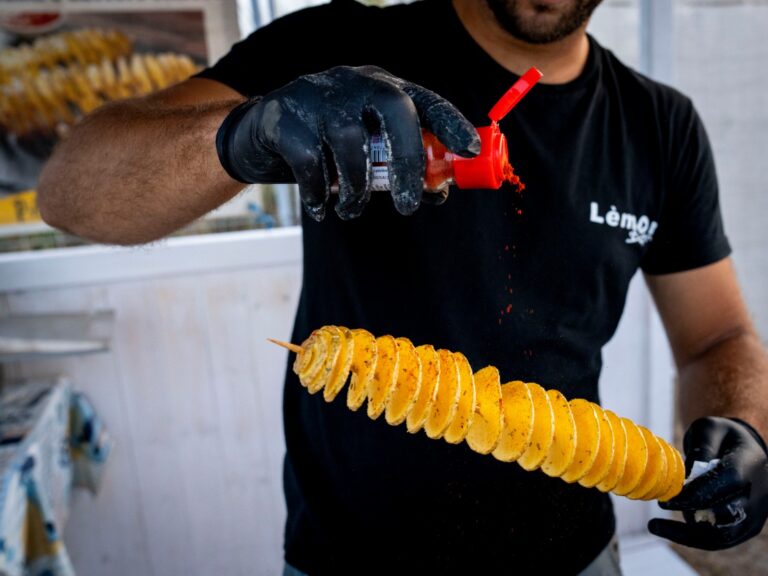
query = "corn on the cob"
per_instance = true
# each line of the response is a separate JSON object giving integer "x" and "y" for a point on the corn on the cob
{"x": 575, "y": 440}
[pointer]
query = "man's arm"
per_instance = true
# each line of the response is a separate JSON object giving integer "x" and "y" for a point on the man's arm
{"x": 723, "y": 367}
{"x": 724, "y": 401}
{"x": 136, "y": 170}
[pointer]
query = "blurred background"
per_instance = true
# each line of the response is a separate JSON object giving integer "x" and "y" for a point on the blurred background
{"x": 180, "y": 452}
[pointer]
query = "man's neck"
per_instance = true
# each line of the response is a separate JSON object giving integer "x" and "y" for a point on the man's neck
{"x": 560, "y": 61}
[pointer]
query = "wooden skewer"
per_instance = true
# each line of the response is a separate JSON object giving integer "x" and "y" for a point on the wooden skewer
{"x": 287, "y": 345}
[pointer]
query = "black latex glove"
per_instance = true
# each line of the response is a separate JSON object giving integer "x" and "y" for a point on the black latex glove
{"x": 318, "y": 128}
{"x": 736, "y": 490}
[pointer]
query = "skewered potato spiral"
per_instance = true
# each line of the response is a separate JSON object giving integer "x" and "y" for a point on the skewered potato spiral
{"x": 437, "y": 391}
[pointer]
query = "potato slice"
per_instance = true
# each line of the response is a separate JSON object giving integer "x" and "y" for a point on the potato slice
{"x": 543, "y": 429}
{"x": 330, "y": 353}
{"x": 563, "y": 448}
{"x": 309, "y": 361}
{"x": 384, "y": 376}
{"x": 616, "y": 470}
{"x": 657, "y": 465}
{"x": 485, "y": 432}
{"x": 363, "y": 366}
{"x": 587, "y": 439}
{"x": 637, "y": 459}
{"x": 446, "y": 403}
{"x": 465, "y": 411}
{"x": 407, "y": 384}
{"x": 664, "y": 482}
{"x": 517, "y": 421}
{"x": 679, "y": 478}
{"x": 605, "y": 452}
{"x": 343, "y": 364}
{"x": 430, "y": 373}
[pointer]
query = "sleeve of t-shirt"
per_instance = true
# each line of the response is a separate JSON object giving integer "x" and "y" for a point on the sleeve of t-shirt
{"x": 275, "y": 54}
{"x": 690, "y": 232}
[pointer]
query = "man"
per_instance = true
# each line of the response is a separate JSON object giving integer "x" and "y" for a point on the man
{"x": 619, "y": 176}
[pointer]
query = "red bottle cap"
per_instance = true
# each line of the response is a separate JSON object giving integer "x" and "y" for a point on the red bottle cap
{"x": 491, "y": 167}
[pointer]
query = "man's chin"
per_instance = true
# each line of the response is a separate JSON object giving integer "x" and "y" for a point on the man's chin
{"x": 542, "y": 21}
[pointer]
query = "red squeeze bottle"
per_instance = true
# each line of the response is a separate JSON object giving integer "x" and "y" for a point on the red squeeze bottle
{"x": 489, "y": 169}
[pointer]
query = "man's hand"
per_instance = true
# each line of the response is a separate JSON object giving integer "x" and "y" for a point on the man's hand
{"x": 728, "y": 504}
{"x": 321, "y": 124}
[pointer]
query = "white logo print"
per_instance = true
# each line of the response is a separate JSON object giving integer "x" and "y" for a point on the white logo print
{"x": 640, "y": 230}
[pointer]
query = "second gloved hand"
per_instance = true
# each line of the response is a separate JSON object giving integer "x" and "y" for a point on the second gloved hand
{"x": 728, "y": 504}
{"x": 318, "y": 128}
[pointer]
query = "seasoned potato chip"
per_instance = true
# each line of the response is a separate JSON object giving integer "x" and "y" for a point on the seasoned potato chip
{"x": 543, "y": 429}
{"x": 616, "y": 471}
{"x": 307, "y": 354}
{"x": 637, "y": 459}
{"x": 383, "y": 382}
{"x": 657, "y": 465}
{"x": 446, "y": 403}
{"x": 330, "y": 354}
{"x": 563, "y": 448}
{"x": 485, "y": 431}
{"x": 664, "y": 482}
{"x": 313, "y": 355}
{"x": 430, "y": 372}
{"x": 363, "y": 366}
{"x": 517, "y": 421}
{"x": 587, "y": 439}
{"x": 679, "y": 479}
{"x": 605, "y": 451}
{"x": 407, "y": 384}
{"x": 343, "y": 364}
{"x": 465, "y": 411}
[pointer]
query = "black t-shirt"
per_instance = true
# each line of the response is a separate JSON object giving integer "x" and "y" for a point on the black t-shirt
{"x": 619, "y": 176}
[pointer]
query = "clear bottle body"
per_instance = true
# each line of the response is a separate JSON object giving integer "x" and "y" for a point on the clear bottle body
{"x": 438, "y": 173}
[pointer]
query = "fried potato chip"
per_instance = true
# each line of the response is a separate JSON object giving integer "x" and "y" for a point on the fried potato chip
{"x": 384, "y": 376}
{"x": 563, "y": 448}
{"x": 665, "y": 482}
{"x": 465, "y": 411}
{"x": 605, "y": 452}
{"x": 330, "y": 355}
{"x": 587, "y": 439}
{"x": 517, "y": 421}
{"x": 637, "y": 459}
{"x": 363, "y": 366}
{"x": 306, "y": 356}
{"x": 679, "y": 477}
{"x": 343, "y": 363}
{"x": 430, "y": 373}
{"x": 485, "y": 432}
{"x": 543, "y": 429}
{"x": 446, "y": 403}
{"x": 616, "y": 471}
{"x": 407, "y": 384}
{"x": 318, "y": 344}
{"x": 656, "y": 467}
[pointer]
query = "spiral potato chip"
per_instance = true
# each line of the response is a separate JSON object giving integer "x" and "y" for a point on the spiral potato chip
{"x": 587, "y": 439}
{"x": 637, "y": 459}
{"x": 605, "y": 452}
{"x": 517, "y": 421}
{"x": 364, "y": 356}
{"x": 543, "y": 429}
{"x": 430, "y": 373}
{"x": 485, "y": 432}
{"x": 436, "y": 390}
{"x": 465, "y": 410}
{"x": 384, "y": 376}
{"x": 407, "y": 384}
{"x": 447, "y": 400}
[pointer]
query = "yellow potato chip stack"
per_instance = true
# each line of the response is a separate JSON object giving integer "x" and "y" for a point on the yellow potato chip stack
{"x": 519, "y": 422}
